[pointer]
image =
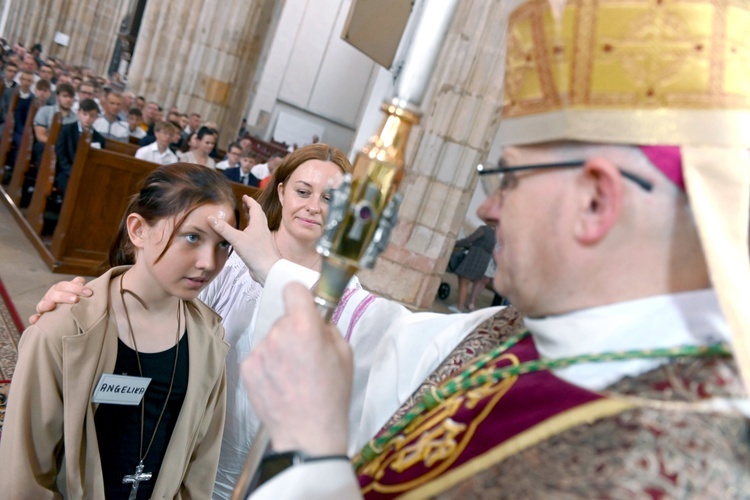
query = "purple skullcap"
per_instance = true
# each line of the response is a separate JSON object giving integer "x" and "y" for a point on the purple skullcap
{"x": 667, "y": 159}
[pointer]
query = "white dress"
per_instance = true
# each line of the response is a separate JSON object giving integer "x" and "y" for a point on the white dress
{"x": 189, "y": 157}
{"x": 249, "y": 310}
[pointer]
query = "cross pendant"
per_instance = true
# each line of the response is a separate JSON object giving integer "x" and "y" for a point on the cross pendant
{"x": 135, "y": 480}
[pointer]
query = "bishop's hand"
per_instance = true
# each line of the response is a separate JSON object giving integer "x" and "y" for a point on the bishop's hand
{"x": 254, "y": 244}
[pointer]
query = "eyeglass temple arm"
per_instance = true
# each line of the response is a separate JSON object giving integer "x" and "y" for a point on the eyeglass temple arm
{"x": 482, "y": 170}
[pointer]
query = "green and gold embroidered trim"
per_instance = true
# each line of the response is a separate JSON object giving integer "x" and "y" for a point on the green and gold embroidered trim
{"x": 470, "y": 379}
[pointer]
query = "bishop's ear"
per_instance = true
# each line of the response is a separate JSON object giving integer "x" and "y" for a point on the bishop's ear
{"x": 599, "y": 200}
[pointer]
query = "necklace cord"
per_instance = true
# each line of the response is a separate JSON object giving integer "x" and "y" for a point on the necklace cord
{"x": 123, "y": 291}
{"x": 273, "y": 238}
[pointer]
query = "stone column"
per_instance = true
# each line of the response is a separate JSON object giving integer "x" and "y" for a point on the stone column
{"x": 460, "y": 120}
{"x": 91, "y": 24}
{"x": 201, "y": 56}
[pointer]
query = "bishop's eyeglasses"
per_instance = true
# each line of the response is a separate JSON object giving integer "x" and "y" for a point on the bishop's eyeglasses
{"x": 495, "y": 178}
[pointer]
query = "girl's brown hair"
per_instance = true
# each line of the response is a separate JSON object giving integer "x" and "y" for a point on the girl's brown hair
{"x": 269, "y": 199}
{"x": 169, "y": 191}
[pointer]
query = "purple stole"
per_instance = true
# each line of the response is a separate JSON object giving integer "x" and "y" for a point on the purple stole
{"x": 474, "y": 430}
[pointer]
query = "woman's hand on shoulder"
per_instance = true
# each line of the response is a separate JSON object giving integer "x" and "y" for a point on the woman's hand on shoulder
{"x": 254, "y": 244}
{"x": 64, "y": 292}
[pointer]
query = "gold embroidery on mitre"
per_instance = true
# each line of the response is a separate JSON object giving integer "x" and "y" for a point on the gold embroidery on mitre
{"x": 634, "y": 54}
{"x": 435, "y": 439}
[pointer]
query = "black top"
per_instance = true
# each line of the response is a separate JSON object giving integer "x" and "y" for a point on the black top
{"x": 118, "y": 427}
{"x": 23, "y": 106}
{"x": 235, "y": 174}
{"x": 65, "y": 150}
{"x": 149, "y": 138}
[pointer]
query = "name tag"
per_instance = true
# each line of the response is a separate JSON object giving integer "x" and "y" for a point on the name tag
{"x": 120, "y": 389}
{"x": 96, "y": 145}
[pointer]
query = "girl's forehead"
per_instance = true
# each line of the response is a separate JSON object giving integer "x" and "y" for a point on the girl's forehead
{"x": 198, "y": 215}
{"x": 220, "y": 210}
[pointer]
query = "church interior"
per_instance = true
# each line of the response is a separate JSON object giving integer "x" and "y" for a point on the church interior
{"x": 419, "y": 96}
{"x": 282, "y": 71}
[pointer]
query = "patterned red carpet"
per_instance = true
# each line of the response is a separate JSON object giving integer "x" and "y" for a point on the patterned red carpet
{"x": 11, "y": 327}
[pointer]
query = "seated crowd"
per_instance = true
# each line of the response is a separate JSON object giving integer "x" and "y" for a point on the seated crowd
{"x": 164, "y": 136}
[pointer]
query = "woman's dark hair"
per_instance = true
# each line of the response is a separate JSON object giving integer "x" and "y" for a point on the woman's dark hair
{"x": 204, "y": 131}
{"x": 185, "y": 145}
{"x": 170, "y": 191}
{"x": 269, "y": 199}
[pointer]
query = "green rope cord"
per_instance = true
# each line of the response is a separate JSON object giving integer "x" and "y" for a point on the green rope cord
{"x": 467, "y": 380}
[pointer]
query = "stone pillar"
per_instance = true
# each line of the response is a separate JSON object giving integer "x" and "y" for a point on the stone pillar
{"x": 91, "y": 24}
{"x": 201, "y": 56}
{"x": 460, "y": 120}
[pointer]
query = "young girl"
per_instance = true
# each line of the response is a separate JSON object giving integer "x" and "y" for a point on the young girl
{"x": 123, "y": 395}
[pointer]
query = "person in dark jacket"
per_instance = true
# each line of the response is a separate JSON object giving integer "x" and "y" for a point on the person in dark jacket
{"x": 472, "y": 268}
{"x": 67, "y": 141}
{"x": 23, "y": 106}
{"x": 242, "y": 173}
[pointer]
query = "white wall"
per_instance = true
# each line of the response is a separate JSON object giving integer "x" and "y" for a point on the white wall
{"x": 312, "y": 73}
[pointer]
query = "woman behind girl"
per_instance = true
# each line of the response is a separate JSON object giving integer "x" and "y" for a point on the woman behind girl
{"x": 205, "y": 141}
{"x": 295, "y": 204}
{"x": 71, "y": 429}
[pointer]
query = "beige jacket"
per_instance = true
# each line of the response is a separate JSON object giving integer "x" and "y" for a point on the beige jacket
{"x": 49, "y": 447}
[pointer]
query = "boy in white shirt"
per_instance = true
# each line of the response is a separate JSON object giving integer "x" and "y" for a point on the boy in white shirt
{"x": 158, "y": 151}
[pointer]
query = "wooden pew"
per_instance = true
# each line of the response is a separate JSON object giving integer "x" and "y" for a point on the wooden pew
{"x": 283, "y": 147}
{"x": 101, "y": 182}
{"x": 263, "y": 149}
{"x": 239, "y": 190}
{"x": 98, "y": 190}
{"x": 45, "y": 178}
{"x": 121, "y": 147}
{"x": 23, "y": 157}
{"x": 100, "y": 185}
{"x": 89, "y": 218}
{"x": 2, "y": 86}
{"x": 7, "y": 140}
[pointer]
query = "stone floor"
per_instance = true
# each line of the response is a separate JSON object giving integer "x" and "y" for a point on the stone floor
{"x": 441, "y": 305}
{"x": 23, "y": 272}
{"x": 26, "y": 277}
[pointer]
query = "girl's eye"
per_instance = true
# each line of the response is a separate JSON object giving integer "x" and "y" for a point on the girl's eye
{"x": 192, "y": 238}
{"x": 224, "y": 245}
{"x": 303, "y": 193}
{"x": 326, "y": 198}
